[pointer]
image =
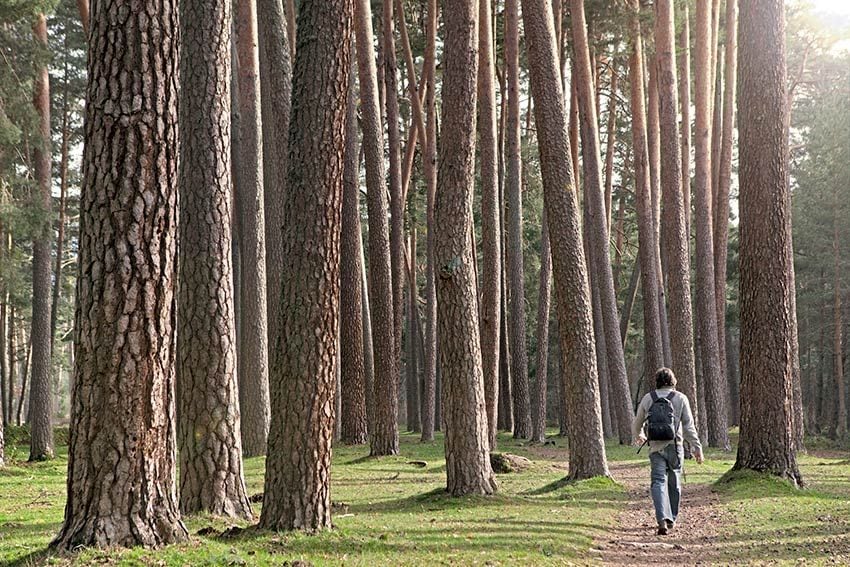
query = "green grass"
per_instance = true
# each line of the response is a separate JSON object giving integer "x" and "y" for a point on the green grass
{"x": 392, "y": 513}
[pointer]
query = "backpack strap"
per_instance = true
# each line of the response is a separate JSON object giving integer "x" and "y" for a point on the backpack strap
{"x": 654, "y": 395}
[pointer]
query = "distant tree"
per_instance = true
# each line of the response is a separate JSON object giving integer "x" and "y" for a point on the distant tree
{"x": 211, "y": 478}
{"x": 122, "y": 446}
{"x": 297, "y": 483}
{"x": 767, "y": 441}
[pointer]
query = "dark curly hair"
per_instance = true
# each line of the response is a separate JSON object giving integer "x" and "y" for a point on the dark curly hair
{"x": 665, "y": 378}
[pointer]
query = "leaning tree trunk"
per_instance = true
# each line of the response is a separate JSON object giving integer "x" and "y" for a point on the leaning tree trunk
{"x": 654, "y": 348}
{"x": 673, "y": 215}
{"x": 714, "y": 384}
{"x": 767, "y": 441}
{"x": 211, "y": 477}
{"x": 580, "y": 382}
{"x": 384, "y": 437}
{"x": 597, "y": 229}
{"x": 464, "y": 410}
{"x": 275, "y": 95}
{"x": 490, "y": 223}
{"x": 352, "y": 376}
{"x": 41, "y": 398}
{"x": 253, "y": 352}
{"x": 297, "y": 485}
{"x": 513, "y": 227}
{"x": 121, "y": 450}
{"x": 429, "y": 165}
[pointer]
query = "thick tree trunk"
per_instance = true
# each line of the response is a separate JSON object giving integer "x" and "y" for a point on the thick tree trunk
{"x": 384, "y": 436}
{"x": 122, "y": 446}
{"x": 467, "y": 447}
{"x": 253, "y": 352}
{"x": 513, "y": 196}
{"x": 353, "y": 429}
{"x": 490, "y": 218}
{"x": 41, "y": 399}
{"x": 597, "y": 230}
{"x": 297, "y": 485}
{"x": 706, "y": 306}
{"x": 654, "y": 348}
{"x": 544, "y": 299}
{"x": 210, "y": 447}
{"x": 683, "y": 46}
{"x": 275, "y": 95}
{"x": 767, "y": 441}
{"x": 674, "y": 223}
{"x": 429, "y": 165}
{"x": 579, "y": 376}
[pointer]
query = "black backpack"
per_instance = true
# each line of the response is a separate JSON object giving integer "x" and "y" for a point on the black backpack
{"x": 660, "y": 420}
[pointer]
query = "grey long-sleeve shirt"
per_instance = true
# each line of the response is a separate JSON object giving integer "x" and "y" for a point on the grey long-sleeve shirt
{"x": 682, "y": 413}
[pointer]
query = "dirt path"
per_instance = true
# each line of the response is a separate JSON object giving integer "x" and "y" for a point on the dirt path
{"x": 632, "y": 539}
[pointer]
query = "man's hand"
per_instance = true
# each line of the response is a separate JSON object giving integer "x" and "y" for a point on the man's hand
{"x": 699, "y": 457}
{"x": 640, "y": 440}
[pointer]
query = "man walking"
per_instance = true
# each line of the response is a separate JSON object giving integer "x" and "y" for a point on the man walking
{"x": 662, "y": 419}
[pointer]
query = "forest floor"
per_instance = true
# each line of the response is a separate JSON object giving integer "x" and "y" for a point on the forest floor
{"x": 391, "y": 512}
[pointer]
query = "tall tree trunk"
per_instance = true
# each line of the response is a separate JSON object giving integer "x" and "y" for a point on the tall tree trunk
{"x": 684, "y": 61}
{"x": 368, "y": 346}
{"x": 41, "y": 400}
{"x": 297, "y": 485}
{"x": 490, "y": 221}
{"x": 121, "y": 451}
{"x": 838, "y": 340}
{"x": 654, "y": 349}
{"x": 275, "y": 97}
{"x": 767, "y": 441}
{"x": 253, "y": 364}
{"x": 597, "y": 229}
{"x": 291, "y": 28}
{"x": 609, "y": 152}
{"x": 706, "y": 306}
{"x": 467, "y": 447}
{"x": 724, "y": 179}
{"x": 580, "y": 381}
{"x": 384, "y": 436}
{"x": 210, "y": 447}
{"x": 353, "y": 427}
{"x": 429, "y": 165}
{"x": 513, "y": 195}
{"x": 83, "y": 7}
{"x": 673, "y": 216}
{"x": 505, "y": 418}
{"x": 395, "y": 174}
{"x": 414, "y": 423}
{"x": 63, "y": 197}
{"x": 544, "y": 299}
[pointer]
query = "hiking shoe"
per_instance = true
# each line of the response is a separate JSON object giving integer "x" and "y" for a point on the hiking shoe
{"x": 670, "y": 524}
{"x": 662, "y": 528}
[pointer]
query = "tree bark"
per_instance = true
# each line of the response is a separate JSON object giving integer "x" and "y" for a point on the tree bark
{"x": 121, "y": 451}
{"x": 210, "y": 447}
{"x": 253, "y": 364}
{"x": 414, "y": 423}
{"x": 275, "y": 99}
{"x": 83, "y": 7}
{"x": 490, "y": 222}
{"x": 838, "y": 340}
{"x": 513, "y": 195}
{"x": 384, "y": 437}
{"x": 674, "y": 224}
{"x": 684, "y": 62}
{"x": 580, "y": 382}
{"x": 654, "y": 349}
{"x": 41, "y": 399}
{"x": 467, "y": 447}
{"x": 706, "y": 306}
{"x": 597, "y": 229}
{"x": 609, "y": 152}
{"x": 297, "y": 485}
{"x": 354, "y": 430}
{"x": 544, "y": 299}
{"x": 767, "y": 441}
{"x": 429, "y": 165}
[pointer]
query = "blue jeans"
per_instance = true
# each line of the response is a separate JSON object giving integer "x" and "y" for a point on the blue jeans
{"x": 666, "y": 476}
